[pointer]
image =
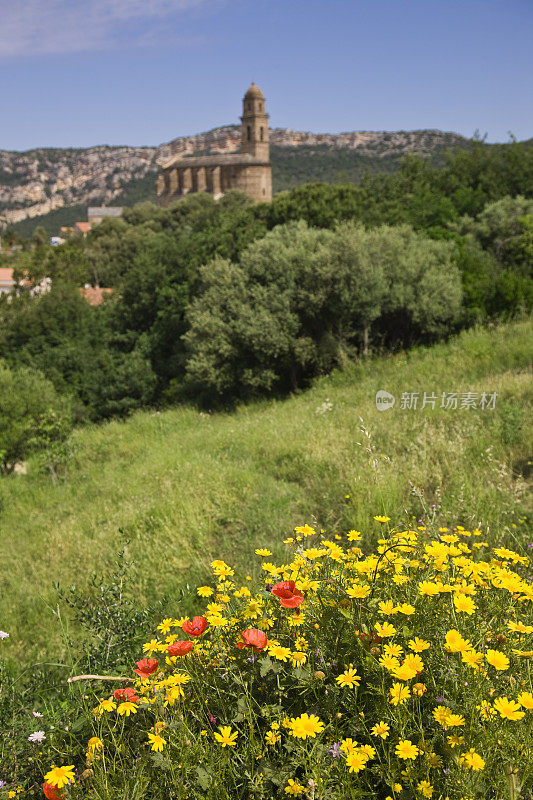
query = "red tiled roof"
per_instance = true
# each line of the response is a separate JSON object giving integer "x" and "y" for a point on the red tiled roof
{"x": 94, "y": 295}
{"x": 83, "y": 227}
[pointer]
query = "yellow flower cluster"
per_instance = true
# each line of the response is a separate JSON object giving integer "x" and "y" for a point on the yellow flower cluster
{"x": 423, "y": 641}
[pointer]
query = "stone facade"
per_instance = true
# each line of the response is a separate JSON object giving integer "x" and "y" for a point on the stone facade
{"x": 248, "y": 171}
{"x": 96, "y": 214}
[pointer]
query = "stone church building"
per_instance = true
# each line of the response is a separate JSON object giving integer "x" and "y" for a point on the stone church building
{"x": 249, "y": 171}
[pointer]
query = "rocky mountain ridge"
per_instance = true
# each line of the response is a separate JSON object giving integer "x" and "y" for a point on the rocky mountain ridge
{"x": 36, "y": 182}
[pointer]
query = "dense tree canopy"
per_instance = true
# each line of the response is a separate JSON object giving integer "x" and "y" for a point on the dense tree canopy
{"x": 503, "y": 228}
{"x": 301, "y": 297}
{"x": 227, "y": 299}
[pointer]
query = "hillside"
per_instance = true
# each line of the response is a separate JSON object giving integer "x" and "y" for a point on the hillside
{"x": 182, "y": 487}
{"x": 43, "y": 185}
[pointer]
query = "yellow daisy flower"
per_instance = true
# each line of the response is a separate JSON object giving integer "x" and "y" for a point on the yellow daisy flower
{"x": 226, "y": 737}
{"x": 508, "y": 709}
{"x": 306, "y": 726}
{"x": 157, "y": 742}
{"x": 380, "y": 729}
{"x": 385, "y": 630}
{"x": 349, "y": 678}
{"x": 418, "y": 645}
{"x": 406, "y": 750}
{"x": 497, "y": 659}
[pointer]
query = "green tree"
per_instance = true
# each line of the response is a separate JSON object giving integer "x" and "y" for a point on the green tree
{"x": 234, "y": 335}
{"x": 75, "y": 346}
{"x": 32, "y": 415}
{"x": 40, "y": 235}
{"x": 527, "y": 237}
{"x": 424, "y": 295}
{"x": 301, "y": 299}
{"x": 10, "y": 237}
{"x": 502, "y": 229}
{"x": 479, "y": 270}
{"x": 513, "y": 294}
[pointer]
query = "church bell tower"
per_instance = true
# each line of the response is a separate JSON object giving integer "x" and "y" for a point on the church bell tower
{"x": 254, "y": 127}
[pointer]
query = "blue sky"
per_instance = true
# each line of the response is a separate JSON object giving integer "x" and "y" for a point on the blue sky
{"x": 84, "y": 72}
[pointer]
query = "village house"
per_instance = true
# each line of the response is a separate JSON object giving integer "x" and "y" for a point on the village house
{"x": 96, "y": 214}
{"x": 94, "y": 295}
{"x": 7, "y": 281}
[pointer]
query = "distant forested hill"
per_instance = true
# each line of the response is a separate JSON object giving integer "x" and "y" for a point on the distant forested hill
{"x": 293, "y": 166}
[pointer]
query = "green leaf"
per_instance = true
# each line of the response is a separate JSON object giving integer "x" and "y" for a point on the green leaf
{"x": 78, "y": 724}
{"x": 204, "y": 779}
{"x": 266, "y": 666}
{"x": 303, "y": 673}
{"x": 160, "y": 761}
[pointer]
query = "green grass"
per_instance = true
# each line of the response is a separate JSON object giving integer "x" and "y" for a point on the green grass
{"x": 185, "y": 487}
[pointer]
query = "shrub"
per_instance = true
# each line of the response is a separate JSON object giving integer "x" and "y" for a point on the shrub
{"x": 32, "y": 416}
{"x": 403, "y": 673}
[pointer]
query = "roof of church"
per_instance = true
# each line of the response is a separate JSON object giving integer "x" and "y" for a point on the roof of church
{"x": 214, "y": 161}
{"x": 255, "y": 91}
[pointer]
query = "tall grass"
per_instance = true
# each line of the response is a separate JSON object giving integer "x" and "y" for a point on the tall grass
{"x": 182, "y": 487}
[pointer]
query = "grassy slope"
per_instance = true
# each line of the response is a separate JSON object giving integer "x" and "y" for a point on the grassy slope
{"x": 184, "y": 487}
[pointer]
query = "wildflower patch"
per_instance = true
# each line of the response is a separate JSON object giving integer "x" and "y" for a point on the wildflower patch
{"x": 400, "y": 673}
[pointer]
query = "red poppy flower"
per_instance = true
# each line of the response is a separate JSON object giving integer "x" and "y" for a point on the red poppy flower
{"x": 252, "y": 637}
{"x": 369, "y": 638}
{"x": 126, "y": 694}
{"x": 288, "y": 596}
{"x": 179, "y": 648}
{"x": 146, "y": 666}
{"x": 196, "y": 627}
{"x": 50, "y": 792}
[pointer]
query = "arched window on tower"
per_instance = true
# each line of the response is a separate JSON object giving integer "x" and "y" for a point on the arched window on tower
{"x": 248, "y": 133}
{"x": 261, "y": 133}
